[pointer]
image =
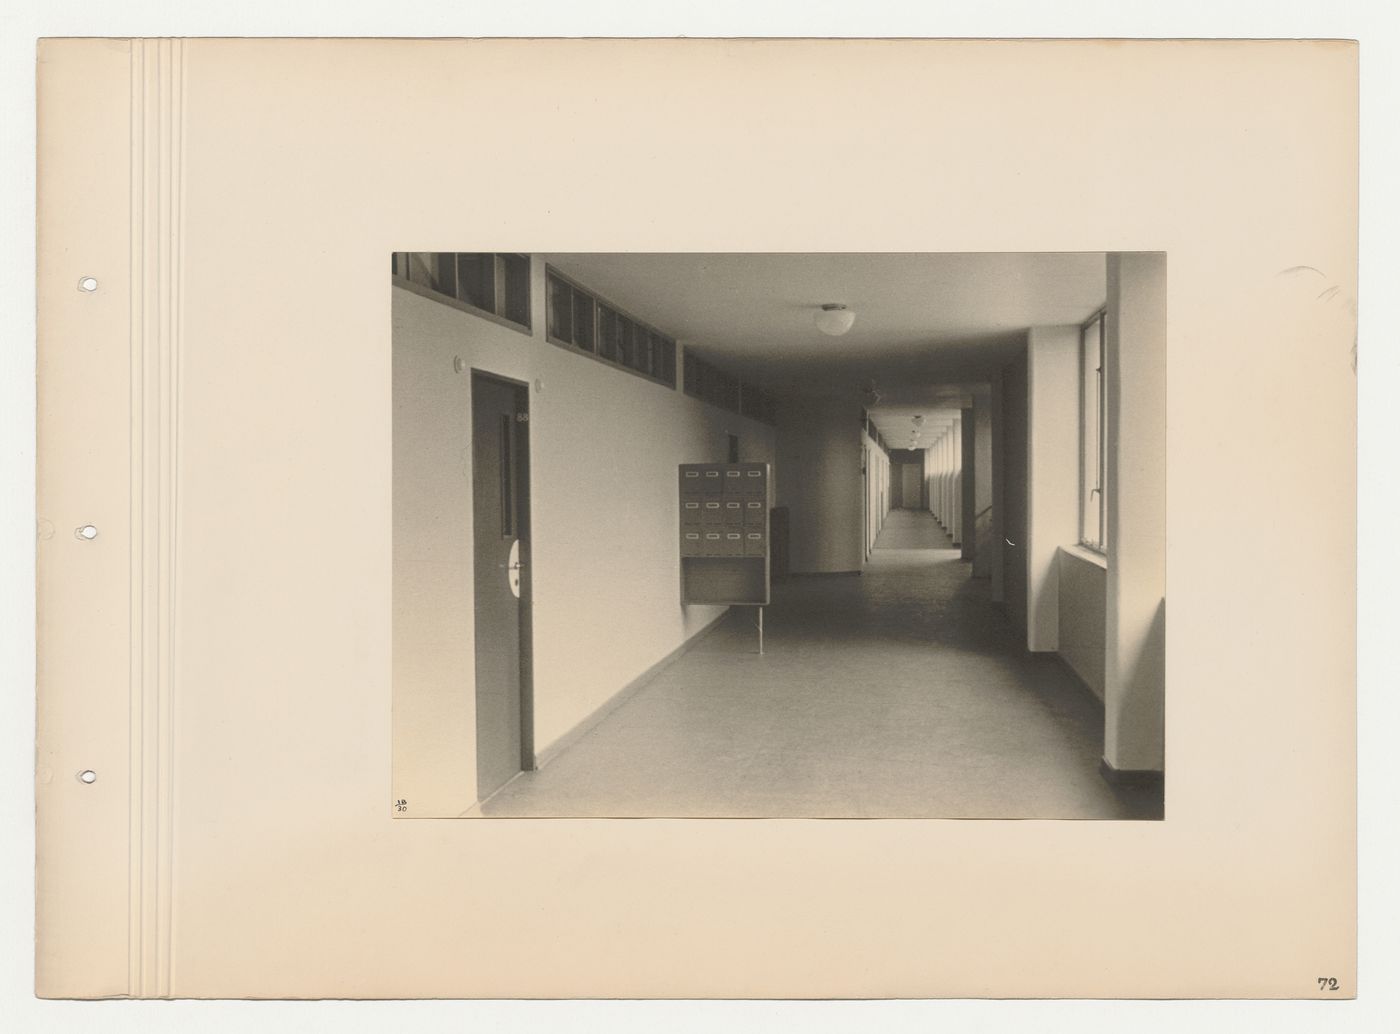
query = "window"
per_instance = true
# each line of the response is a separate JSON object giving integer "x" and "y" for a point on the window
{"x": 757, "y": 403}
{"x": 581, "y": 321}
{"x": 1093, "y": 467}
{"x": 490, "y": 285}
{"x": 707, "y": 382}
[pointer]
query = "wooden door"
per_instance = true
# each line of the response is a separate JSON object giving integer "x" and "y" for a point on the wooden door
{"x": 500, "y": 526}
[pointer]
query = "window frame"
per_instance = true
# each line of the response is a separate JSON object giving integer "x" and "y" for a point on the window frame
{"x": 1100, "y": 489}
{"x": 716, "y": 386}
{"x": 621, "y": 319}
{"x": 400, "y": 275}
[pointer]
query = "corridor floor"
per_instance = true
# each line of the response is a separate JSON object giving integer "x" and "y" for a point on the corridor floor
{"x": 901, "y": 692}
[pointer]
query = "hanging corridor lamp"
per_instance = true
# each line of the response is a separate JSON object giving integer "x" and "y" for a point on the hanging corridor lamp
{"x": 834, "y": 319}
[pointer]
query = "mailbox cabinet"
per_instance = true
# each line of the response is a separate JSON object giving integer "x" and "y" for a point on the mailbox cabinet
{"x": 724, "y": 533}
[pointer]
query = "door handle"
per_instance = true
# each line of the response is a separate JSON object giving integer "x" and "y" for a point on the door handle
{"x": 513, "y": 568}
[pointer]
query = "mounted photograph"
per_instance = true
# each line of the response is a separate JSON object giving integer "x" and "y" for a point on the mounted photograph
{"x": 779, "y": 535}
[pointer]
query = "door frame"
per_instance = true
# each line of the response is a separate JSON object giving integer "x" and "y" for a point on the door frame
{"x": 527, "y": 560}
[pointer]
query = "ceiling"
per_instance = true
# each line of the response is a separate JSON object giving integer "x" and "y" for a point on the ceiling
{"x": 897, "y": 425}
{"x": 922, "y": 320}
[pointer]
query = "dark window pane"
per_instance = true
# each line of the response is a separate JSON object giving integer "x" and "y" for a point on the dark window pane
{"x": 626, "y": 340}
{"x": 654, "y": 360}
{"x": 668, "y": 362}
{"x": 583, "y": 321}
{"x": 691, "y": 372}
{"x": 507, "y": 481}
{"x": 607, "y": 332}
{"x": 476, "y": 280}
{"x": 445, "y": 273}
{"x": 561, "y": 310}
{"x": 516, "y": 305}
{"x": 422, "y": 269}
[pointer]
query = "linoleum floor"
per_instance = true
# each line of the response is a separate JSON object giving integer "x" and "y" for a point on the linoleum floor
{"x": 899, "y": 693}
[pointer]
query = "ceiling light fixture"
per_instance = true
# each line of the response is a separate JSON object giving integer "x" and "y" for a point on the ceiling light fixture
{"x": 834, "y": 319}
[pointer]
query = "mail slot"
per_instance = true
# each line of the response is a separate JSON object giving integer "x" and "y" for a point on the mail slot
{"x": 691, "y": 481}
{"x": 724, "y": 533}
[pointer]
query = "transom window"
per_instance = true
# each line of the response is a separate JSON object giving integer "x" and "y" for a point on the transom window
{"x": 496, "y": 286}
{"x": 707, "y": 382}
{"x": 581, "y": 321}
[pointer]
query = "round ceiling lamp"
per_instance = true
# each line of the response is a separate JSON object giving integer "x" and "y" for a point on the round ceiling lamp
{"x": 834, "y": 319}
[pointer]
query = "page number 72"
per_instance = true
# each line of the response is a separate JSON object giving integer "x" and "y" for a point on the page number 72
{"x": 1327, "y": 983}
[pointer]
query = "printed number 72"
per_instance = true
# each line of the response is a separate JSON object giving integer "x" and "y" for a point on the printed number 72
{"x": 1327, "y": 983}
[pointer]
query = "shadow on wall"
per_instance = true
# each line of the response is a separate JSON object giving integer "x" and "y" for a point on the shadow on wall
{"x": 982, "y": 551}
{"x": 1144, "y": 692}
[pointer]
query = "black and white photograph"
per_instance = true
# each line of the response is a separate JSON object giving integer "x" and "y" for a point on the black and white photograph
{"x": 690, "y": 519}
{"x": 834, "y": 536}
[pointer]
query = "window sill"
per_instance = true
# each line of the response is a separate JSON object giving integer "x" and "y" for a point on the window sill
{"x": 1087, "y": 555}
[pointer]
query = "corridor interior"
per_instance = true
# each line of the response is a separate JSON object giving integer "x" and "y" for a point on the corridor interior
{"x": 900, "y": 693}
{"x": 958, "y": 512}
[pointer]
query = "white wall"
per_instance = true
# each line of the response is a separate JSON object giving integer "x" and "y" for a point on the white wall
{"x": 1053, "y": 461}
{"x": 983, "y": 530}
{"x": 877, "y": 499}
{"x": 943, "y": 462}
{"x": 1083, "y": 591}
{"x": 604, "y": 448}
{"x": 967, "y": 512}
{"x": 818, "y": 478}
{"x": 996, "y": 567}
{"x": 1015, "y": 483}
{"x": 1135, "y": 364}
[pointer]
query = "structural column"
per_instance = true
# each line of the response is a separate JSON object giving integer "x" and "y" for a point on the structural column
{"x": 981, "y": 533}
{"x": 1135, "y": 375}
{"x": 955, "y": 503}
{"x": 967, "y": 512}
{"x": 1053, "y": 462}
{"x": 997, "y": 567}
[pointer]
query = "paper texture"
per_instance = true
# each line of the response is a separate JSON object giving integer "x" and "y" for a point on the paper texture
{"x": 219, "y": 409}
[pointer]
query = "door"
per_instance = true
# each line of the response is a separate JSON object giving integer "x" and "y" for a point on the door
{"x": 500, "y": 526}
{"x": 912, "y": 478}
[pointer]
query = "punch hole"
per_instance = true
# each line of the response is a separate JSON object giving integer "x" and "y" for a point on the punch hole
{"x": 87, "y": 284}
{"x": 88, "y": 776}
{"x": 87, "y": 531}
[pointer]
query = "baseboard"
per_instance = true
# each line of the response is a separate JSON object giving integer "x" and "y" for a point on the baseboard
{"x": 1131, "y": 778}
{"x": 608, "y": 706}
{"x": 821, "y": 574}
